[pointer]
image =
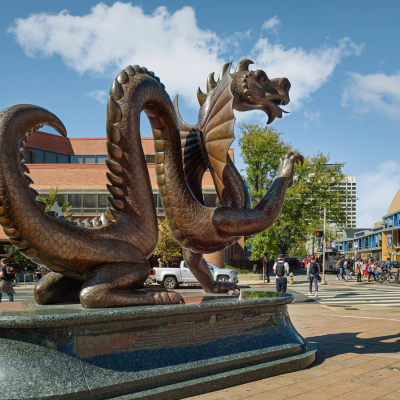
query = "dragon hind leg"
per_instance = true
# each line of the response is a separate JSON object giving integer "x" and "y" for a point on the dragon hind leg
{"x": 115, "y": 285}
{"x": 55, "y": 288}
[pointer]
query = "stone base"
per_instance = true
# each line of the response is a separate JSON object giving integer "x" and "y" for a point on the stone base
{"x": 212, "y": 342}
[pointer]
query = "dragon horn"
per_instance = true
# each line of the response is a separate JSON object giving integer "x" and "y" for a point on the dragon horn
{"x": 223, "y": 70}
{"x": 244, "y": 65}
{"x": 211, "y": 84}
{"x": 201, "y": 97}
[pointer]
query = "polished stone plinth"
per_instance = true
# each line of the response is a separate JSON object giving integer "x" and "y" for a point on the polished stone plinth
{"x": 154, "y": 352}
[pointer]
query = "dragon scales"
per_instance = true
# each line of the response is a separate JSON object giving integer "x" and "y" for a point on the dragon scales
{"x": 105, "y": 264}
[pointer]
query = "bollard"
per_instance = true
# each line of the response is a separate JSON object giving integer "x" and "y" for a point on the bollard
{"x": 291, "y": 278}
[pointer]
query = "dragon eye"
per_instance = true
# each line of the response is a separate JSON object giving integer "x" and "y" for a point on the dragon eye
{"x": 261, "y": 78}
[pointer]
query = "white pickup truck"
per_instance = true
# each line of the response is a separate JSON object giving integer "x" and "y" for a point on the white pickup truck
{"x": 172, "y": 277}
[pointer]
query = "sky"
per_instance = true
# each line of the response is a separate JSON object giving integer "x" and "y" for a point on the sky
{"x": 341, "y": 58}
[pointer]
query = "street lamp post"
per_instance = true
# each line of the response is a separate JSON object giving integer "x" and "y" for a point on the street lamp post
{"x": 323, "y": 281}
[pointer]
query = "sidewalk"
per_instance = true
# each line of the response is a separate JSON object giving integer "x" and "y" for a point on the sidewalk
{"x": 357, "y": 358}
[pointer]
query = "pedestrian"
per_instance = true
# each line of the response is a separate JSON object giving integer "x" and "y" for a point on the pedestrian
{"x": 291, "y": 264}
{"x": 358, "y": 270}
{"x": 346, "y": 269}
{"x": 266, "y": 267}
{"x": 313, "y": 271}
{"x": 5, "y": 281}
{"x": 38, "y": 274}
{"x": 281, "y": 269}
{"x": 160, "y": 264}
{"x": 365, "y": 271}
{"x": 341, "y": 268}
{"x": 371, "y": 270}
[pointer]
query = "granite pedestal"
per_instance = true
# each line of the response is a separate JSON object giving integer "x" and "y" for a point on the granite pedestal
{"x": 161, "y": 352}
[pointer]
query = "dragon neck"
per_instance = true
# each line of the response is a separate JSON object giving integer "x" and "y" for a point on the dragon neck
{"x": 143, "y": 92}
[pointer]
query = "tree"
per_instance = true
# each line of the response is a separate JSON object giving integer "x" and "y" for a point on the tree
{"x": 264, "y": 242}
{"x": 167, "y": 247}
{"x": 316, "y": 185}
{"x": 23, "y": 262}
{"x": 51, "y": 198}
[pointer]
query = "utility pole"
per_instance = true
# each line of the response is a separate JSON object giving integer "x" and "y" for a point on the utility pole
{"x": 323, "y": 281}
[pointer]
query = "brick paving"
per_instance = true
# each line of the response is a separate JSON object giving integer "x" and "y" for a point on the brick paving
{"x": 357, "y": 358}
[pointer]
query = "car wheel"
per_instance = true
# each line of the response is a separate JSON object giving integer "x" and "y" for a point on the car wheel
{"x": 223, "y": 279}
{"x": 170, "y": 283}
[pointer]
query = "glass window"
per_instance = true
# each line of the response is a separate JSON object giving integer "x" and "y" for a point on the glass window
{"x": 89, "y": 159}
{"x": 211, "y": 200}
{"x": 90, "y": 200}
{"x": 75, "y": 200}
{"x": 37, "y": 156}
{"x": 28, "y": 155}
{"x": 76, "y": 159}
{"x": 101, "y": 159}
{"x": 63, "y": 158}
{"x": 150, "y": 158}
{"x": 9, "y": 249}
{"x": 50, "y": 157}
{"x": 103, "y": 200}
{"x": 61, "y": 199}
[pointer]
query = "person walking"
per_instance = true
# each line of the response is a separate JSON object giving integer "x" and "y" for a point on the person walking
{"x": 281, "y": 269}
{"x": 5, "y": 281}
{"x": 341, "y": 268}
{"x": 346, "y": 269}
{"x": 365, "y": 271}
{"x": 266, "y": 267}
{"x": 371, "y": 270}
{"x": 358, "y": 269}
{"x": 313, "y": 271}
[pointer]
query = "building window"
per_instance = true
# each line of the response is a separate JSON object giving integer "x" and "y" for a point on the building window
{"x": 63, "y": 159}
{"x": 211, "y": 200}
{"x": 101, "y": 159}
{"x": 37, "y": 156}
{"x": 89, "y": 159}
{"x": 150, "y": 158}
{"x": 76, "y": 159}
{"x": 50, "y": 157}
{"x": 75, "y": 200}
{"x": 89, "y": 201}
{"x": 61, "y": 199}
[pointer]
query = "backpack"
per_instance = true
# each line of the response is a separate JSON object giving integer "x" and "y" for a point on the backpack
{"x": 313, "y": 268}
{"x": 280, "y": 269}
{"x": 370, "y": 268}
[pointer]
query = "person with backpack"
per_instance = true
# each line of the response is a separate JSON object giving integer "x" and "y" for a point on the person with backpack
{"x": 313, "y": 271}
{"x": 371, "y": 270}
{"x": 281, "y": 269}
{"x": 341, "y": 268}
{"x": 266, "y": 266}
{"x": 5, "y": 281}
{"x": 346, "y": 269}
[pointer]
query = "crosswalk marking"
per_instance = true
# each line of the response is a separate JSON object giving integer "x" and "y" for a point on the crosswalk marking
{"x": 372, "y": 296}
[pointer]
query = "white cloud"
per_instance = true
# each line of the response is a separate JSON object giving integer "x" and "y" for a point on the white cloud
{"x": 373, "y": 93}
{"x": 272, "y": 25}
{"x": 307, "y": 70}
{"x": 108, "y": 39}
{"x": 311, "y": 117}
{"x": 98, "y": 95}
{"x": 376, "y": 191}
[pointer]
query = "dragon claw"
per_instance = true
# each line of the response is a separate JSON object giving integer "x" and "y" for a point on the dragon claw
{"x": 225, "y": 287}
{"x": 162, "y": 298}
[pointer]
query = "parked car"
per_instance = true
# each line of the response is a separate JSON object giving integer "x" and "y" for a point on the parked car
{"x": 172, "y": 277}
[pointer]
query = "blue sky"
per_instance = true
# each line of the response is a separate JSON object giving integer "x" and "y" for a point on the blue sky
{"x": 341, "y": 57}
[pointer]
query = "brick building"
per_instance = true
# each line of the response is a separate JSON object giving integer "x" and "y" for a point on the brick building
{"x": 77, "y": 167}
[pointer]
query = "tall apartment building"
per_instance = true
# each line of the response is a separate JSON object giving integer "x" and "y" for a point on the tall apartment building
{"x": 350, "y": 205}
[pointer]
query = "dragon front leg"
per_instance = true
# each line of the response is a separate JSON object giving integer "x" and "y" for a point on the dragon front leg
{"x": 198, "y": 267}
{"x": 115, "y": 285}
{"x": 231, "y": 222}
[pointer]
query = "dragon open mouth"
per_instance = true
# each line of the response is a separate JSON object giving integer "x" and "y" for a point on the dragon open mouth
{"x": 279, "y": 102}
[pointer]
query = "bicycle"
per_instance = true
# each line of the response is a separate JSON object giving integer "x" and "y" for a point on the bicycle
{"x": 387, "y": 275}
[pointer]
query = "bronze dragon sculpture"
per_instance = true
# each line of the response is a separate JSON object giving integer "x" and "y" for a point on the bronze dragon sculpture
{"x": 104, "y": 265}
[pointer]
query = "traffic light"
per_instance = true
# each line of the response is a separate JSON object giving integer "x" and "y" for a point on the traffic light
{"x": 320, "y": 234}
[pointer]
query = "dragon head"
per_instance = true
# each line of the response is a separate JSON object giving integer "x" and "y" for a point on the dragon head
{"x": 252, "y": 90}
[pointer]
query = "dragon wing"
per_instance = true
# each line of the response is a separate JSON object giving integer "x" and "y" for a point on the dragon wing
{"x": 205, "y": 146}
{"x": 217, "y": 130}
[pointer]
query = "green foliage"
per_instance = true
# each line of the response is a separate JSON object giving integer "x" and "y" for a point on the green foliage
{"x": 23, "y": 262}
{"x": 264, "y": 242}
{"x": 316, "y": 186}
{"x": 241, "y": 271}
{"x": 297, "y": 251}
{"x": 51, "y": 199}
{"x": 167, "y": 248}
